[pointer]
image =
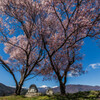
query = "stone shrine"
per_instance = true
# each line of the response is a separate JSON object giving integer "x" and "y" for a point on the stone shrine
{"x": 49, "y": 92}
{"x": 32, "y": 91}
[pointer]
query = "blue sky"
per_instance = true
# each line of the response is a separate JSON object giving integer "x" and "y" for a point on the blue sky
{"x": 90, "y": 62}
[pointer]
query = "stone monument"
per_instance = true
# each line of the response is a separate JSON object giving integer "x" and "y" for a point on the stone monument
{"x": 32, "y": 91}
{"x": 49, "y": 92}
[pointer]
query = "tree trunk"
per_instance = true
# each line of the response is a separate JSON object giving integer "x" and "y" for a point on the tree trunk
{"x": 62, "y": 88}
{"x": 19, "y": 88}
{"x": 15, "y": 93}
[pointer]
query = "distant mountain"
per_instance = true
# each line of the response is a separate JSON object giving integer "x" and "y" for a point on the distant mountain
{"x": 43, "y": 89}
{"x": 6, "y": 90}
{"x": 72, "y": 88}
{"x": 77, "y": 88}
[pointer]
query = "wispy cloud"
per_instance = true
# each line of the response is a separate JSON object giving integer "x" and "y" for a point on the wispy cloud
{"x": 73, "y": 74}
{"x": 70, "y": 75}
{"x": 95, "y": 65}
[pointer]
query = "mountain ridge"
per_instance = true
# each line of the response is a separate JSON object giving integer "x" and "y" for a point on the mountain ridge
{"x": 71, "y": 88}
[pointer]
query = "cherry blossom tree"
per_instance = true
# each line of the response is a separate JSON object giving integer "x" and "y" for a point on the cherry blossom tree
{"x": 25, "y": 58}
{"x": 18, "y": 33}
{"x": 67, "y": 23}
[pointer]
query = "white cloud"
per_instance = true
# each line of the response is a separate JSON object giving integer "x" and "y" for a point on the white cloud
{"x": 70, "y": 75}
{"x": 54, "y": 86}
{"x": 15, "y": 87}
{"x": 73, "y": 73}
{"x": 12, "y": 86}
{"x": 94, "y": 66}
{"x": 43, "y": 86}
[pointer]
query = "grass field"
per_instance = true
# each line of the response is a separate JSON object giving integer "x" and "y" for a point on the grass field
{"x": 90, "y": 95}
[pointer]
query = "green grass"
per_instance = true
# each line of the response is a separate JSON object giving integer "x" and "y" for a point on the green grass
{"x": 33, "y": 98}
{"x": 89, "y": 95}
